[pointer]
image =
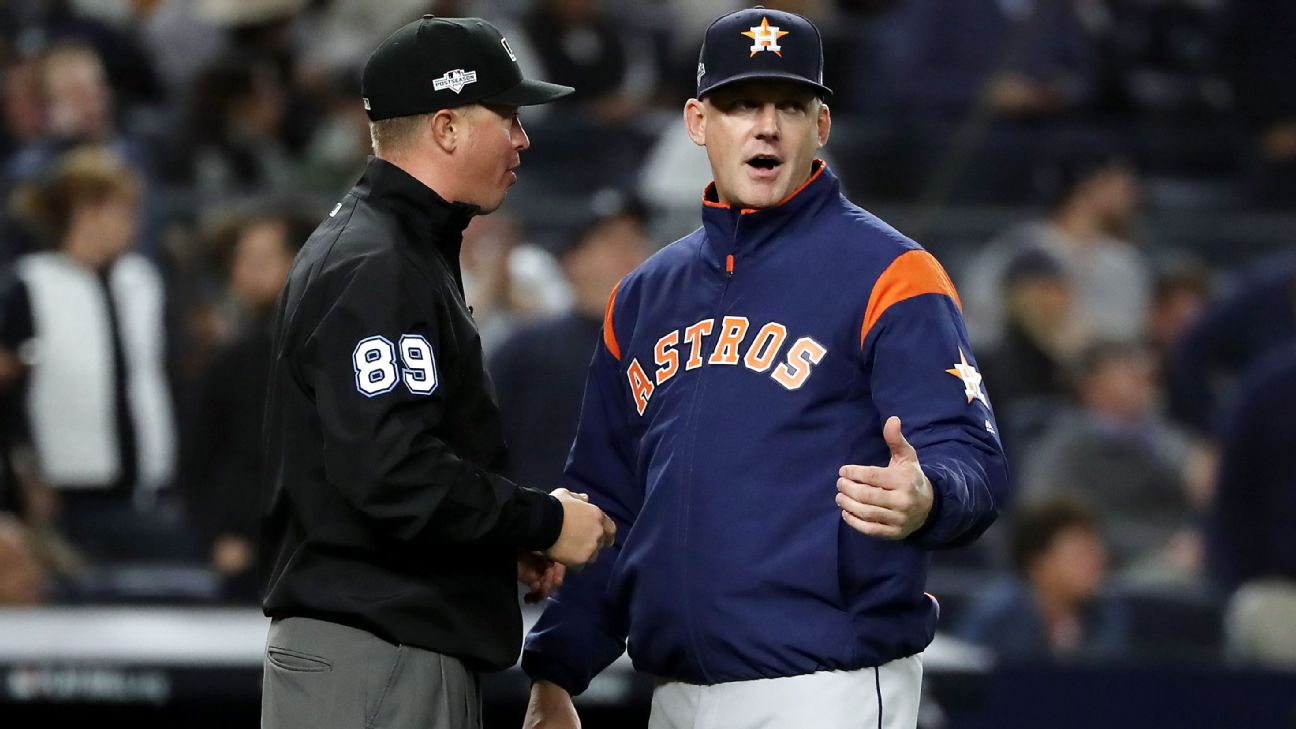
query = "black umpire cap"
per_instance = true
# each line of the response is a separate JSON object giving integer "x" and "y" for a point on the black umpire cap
{"x": 438, "y": 63}
{"x": 761, "y": 43}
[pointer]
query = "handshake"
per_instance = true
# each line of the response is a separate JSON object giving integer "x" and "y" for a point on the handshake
{"x": 585, "y": 531}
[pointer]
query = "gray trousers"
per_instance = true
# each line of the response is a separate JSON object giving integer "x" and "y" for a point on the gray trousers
{"x": 321, "y": 675}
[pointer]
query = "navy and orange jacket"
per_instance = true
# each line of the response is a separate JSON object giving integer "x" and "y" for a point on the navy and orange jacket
{"x": 740, "y": 368}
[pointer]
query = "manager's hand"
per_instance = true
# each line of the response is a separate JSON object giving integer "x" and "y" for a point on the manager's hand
{"x": 540, "y": 574}
{"x": 891, "y": 502}
{"x": 550, "y": 707}
{"x": 585, "y": 530}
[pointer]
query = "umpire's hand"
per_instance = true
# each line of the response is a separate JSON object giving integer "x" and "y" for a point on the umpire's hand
{"x": 891, "y": 502}
{"x": 585, "y": 530}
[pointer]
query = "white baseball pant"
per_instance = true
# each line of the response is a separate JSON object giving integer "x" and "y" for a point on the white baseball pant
{"x": 869, "y": 698}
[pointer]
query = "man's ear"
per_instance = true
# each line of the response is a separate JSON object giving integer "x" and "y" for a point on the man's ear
{"x": 695, "y": 121}
{"x": 446, "y": 127}
{"x": 825, "y": 123}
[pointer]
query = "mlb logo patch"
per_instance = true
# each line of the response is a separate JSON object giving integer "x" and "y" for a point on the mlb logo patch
{"x": 455, "y": 80}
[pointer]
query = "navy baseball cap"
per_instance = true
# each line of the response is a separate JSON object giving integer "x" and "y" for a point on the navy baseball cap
{"x": 438, "y": 63}
{"x": 761, "y": 43}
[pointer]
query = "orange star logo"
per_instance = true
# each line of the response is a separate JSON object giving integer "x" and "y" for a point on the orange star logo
{"x": 971, "y": 379}
{"x": 765, "y": 38}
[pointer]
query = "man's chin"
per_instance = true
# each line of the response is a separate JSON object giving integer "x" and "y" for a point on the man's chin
{"x": 759, "y": 200}
{"x": 764, "y": 194}
{"x": 490, "y": 206}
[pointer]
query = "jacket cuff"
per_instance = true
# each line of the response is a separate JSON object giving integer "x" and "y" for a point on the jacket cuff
{"x": 543, "y": 521}
{"x": 929, "y": 535}
{"x": 540, "y": 667}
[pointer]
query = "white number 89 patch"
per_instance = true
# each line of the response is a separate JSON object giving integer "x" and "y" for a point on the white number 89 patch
{"x": 375, "y": 365}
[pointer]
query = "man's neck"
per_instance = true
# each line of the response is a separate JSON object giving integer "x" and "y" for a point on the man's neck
{"x": 433, "y": 176}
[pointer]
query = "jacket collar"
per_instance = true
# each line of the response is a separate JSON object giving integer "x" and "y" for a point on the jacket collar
{"x": 428, "y": 217}
{"x": 734, "y": 231}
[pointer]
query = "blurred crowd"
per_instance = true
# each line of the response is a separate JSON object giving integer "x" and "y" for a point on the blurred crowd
{"x": 161, "y": 161}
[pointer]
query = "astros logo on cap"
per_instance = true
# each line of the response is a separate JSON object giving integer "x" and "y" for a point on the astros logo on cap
{"x": 765, "y": 38}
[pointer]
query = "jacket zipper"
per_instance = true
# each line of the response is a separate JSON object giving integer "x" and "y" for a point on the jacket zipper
{"x": 697, "y": 396}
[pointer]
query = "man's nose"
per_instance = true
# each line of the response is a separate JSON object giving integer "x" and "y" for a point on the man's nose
{"x": 520, "y": 139}
{"x": 767, "y": 122}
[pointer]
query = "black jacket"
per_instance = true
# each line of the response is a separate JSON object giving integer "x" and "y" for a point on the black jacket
{"x": 383, "y": 509}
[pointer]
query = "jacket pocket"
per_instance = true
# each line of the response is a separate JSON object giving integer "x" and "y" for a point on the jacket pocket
{"x": 291, "y": 660}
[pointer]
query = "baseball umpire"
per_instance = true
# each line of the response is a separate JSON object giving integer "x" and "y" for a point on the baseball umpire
{"x": 392, "y": 543}
{"x": 783, "y": 418}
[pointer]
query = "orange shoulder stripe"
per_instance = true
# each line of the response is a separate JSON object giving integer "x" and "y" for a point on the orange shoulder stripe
{"x": 609, "y": 334}
{"x": 911, "y": 274}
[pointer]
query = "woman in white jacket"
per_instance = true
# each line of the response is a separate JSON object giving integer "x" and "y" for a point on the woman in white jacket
{"x": 87, "y": 318}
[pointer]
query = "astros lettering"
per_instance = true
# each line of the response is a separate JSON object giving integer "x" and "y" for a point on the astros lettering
{"x": 687, "y": 349}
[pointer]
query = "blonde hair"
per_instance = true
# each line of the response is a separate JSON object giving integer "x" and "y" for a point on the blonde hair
{"x": 393, "y": 136}
{"x": 83, "y": 176}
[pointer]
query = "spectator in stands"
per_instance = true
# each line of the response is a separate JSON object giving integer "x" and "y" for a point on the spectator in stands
{"x": 1253, "y": 314}
{"x": 87, "y": 318}
{"x": 506, "y": 279}
{"x": 79, "y": 109}
{"x": 231, "y": 147}
{"x": 1116, "y": 453}
{"x": 1181, "y": 289}
{"x": 1262, "y": 65}
{"x": 611, "y": 62}
{"x": 1014, "y": 59}
{"x": 13, "y": 496}
{"x": 1160, "y": 59}
{"x": 1027, "y": 370}
{"x": 222, "y": 453}
{"x": 343, "y": 32}
{"x": 539, "y": 371}
{"x": 1054, "y": 606}
{"x": 339, "y": 145}
{"x": 1097, "y": 199}
{"x": 129, "y": 69}
{"x": 23, "y": 104}
{"x": 31, "y": 542}
{"x": 22, "y": 579}
{"x": 577, "y": 43}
